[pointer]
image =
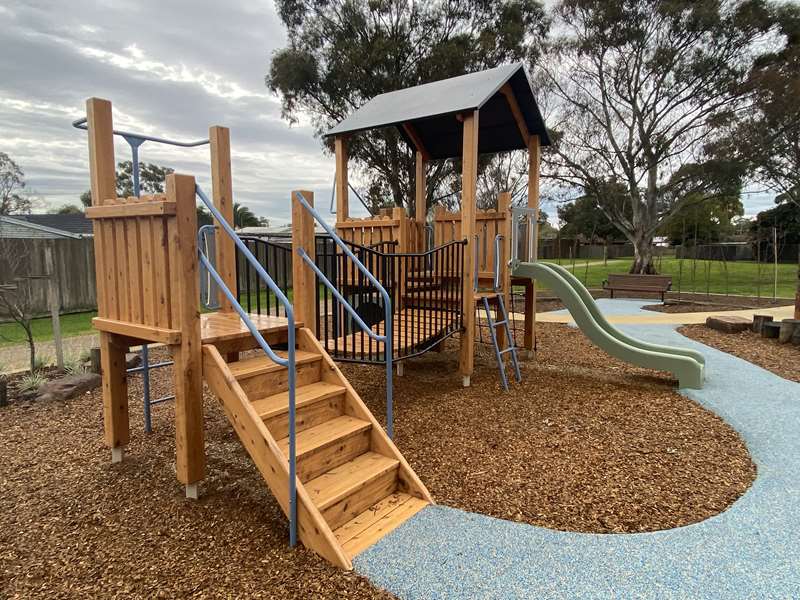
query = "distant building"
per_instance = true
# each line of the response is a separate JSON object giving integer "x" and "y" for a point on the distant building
{"x": 71, "y": 226}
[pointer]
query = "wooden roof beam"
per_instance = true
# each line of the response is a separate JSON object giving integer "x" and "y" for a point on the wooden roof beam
{"x": 412, "y": 133}
{"x": 515, "y": 110}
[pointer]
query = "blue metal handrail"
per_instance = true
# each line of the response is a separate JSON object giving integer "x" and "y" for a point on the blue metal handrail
{"x": 355, "y": 191}
{"x": 497, "y": 246}
{"x": 288, "y": 362}
{"x": 496, "y": 284}
{"x": 387, "y": 303}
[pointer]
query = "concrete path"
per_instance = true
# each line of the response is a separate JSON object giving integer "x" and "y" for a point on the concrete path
{"x": 749, "y": 551}
{"x": 16, "y": 358}
{"x": 628, "y": 311}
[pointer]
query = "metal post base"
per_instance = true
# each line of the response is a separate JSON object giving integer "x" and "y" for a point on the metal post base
{"x": 465, "y": 381}
{"x": 117, "y": 454}
{"x": 192, "y": 491}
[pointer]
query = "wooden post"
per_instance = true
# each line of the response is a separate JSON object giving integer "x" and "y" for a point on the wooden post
{"x": 534, "y": 159}
{"x": 303, "y": 278}
{"x": 222, "y": 189}
{"x": 189, "y": 434}
{"x": 342, "y": 189}
{"x": 420, "y": 199}
{"x": 54, "y": 302}
{"x": 115, "y": 394}
{"x": 102, "y": 170}
{"x": 469, "y": 183}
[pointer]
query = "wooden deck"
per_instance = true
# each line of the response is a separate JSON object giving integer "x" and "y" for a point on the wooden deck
{"x": 411, "y": 329}
{"x": 219, "y": 327}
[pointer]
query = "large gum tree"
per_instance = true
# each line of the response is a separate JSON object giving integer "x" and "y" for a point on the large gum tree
{"x": 638, "y": 89}
{"x": 342, "y": 53}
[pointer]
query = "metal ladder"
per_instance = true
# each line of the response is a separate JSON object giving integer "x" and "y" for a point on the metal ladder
{"x": 501, "y": 309}
{"x": 511, "y": 349}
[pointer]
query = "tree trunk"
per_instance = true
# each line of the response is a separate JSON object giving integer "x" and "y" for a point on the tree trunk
{"x": 797, "y": 292}
{"x": 643, "y": 257}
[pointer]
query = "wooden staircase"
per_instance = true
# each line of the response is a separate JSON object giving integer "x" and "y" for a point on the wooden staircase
{"x": 353, "y": 485}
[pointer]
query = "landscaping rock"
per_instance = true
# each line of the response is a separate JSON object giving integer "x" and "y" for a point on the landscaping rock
{"x": 133, "y": 360}
{"x": 770, "y": 330}
{"x": 759, "y": 320}
{"x": 788, "y": 327}
{"x": 796, "y": 336}
{"x": 728, "y": 324}
{"x": 69, "y": 386}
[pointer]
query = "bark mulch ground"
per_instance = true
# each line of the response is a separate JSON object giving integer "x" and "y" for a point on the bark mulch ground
{"x": 586, "y": 443}
{"x": 74, "y": 525}
{"x": 781, "y": 359}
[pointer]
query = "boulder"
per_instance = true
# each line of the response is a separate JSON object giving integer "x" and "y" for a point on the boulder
{"x": 759, "y": 320}
{"x": 133, "y": 360}
{"x": 770, "y": 330}
{"x": 69, "y": 386}
{"x": 728, "y": 324}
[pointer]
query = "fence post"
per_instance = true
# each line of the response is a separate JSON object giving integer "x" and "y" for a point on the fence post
{"x": 303, "y": 279}
{"x": 53, "y": 302}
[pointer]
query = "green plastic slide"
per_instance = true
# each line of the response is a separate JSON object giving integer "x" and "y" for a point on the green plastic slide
{"x": 687, "y": 365}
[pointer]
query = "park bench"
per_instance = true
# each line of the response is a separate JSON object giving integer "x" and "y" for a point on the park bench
{"x": 626, "y": 282}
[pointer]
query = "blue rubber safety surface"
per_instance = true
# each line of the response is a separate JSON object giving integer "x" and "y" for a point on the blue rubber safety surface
{"x": 752, "y": 550}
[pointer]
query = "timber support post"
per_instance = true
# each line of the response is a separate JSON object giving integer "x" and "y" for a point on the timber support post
{"x": 303, "y": 278}
{"x": 469, "y": 182}
{"x": 222, "y": 194}
{"x": 102, "y": 169}
{"x": 189, "y": 434}
{"x": 534, "y": 160}
{"x": 342, "y": 186}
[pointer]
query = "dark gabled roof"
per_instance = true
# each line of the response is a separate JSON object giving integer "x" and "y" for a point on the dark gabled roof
{"x": 431, "y": 108}
{"x": 71, "y": 223}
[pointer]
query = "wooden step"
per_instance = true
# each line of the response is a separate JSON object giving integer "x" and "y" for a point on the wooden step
{"x": 344, "y": 492}
{"x": 377, "y": 521}
{"x": 259, "y": 376}
{"x": 258, "y": 365}
{"x": 314, "y": 404}
{"x": 328, "y": 445}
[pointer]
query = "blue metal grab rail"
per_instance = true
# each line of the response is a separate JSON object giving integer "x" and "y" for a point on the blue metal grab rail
{"x": 496, "y": 284}
{"x": 289, "y": 362}
{"x": 386, "y": 339}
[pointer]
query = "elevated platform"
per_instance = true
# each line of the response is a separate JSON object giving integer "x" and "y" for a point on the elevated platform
{"x": 413, "y": 330}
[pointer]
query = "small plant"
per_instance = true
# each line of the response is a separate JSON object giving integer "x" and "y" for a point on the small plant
{"x": 42, "y": 362}
{"x": 31, "y": 382}
{"x": 74, "y": 367}
{"x": 85, "y": 356}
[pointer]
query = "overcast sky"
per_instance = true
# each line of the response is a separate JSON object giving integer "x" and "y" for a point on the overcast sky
{"x": 171, "y": 69}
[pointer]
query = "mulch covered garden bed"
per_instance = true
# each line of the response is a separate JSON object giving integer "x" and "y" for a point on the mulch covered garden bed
{"x": 781, "y": 359}
{"x": 586, "y": 443}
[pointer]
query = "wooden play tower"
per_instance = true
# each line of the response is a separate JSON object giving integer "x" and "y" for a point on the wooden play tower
{"x": 459, "y": 118}
{"x": 329, "y": 463}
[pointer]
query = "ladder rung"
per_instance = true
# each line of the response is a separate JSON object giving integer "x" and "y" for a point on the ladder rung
{"x": 507, "y": 350}
{"x": 498, "y": 323}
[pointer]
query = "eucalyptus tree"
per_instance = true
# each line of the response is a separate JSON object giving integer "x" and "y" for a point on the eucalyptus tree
{"x": 639, "y": 90}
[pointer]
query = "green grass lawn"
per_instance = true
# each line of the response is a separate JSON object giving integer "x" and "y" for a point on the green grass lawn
{"x": 72, "y": 324}
{"x": 701, "y": 276}
{"x": 740, "y": 278}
